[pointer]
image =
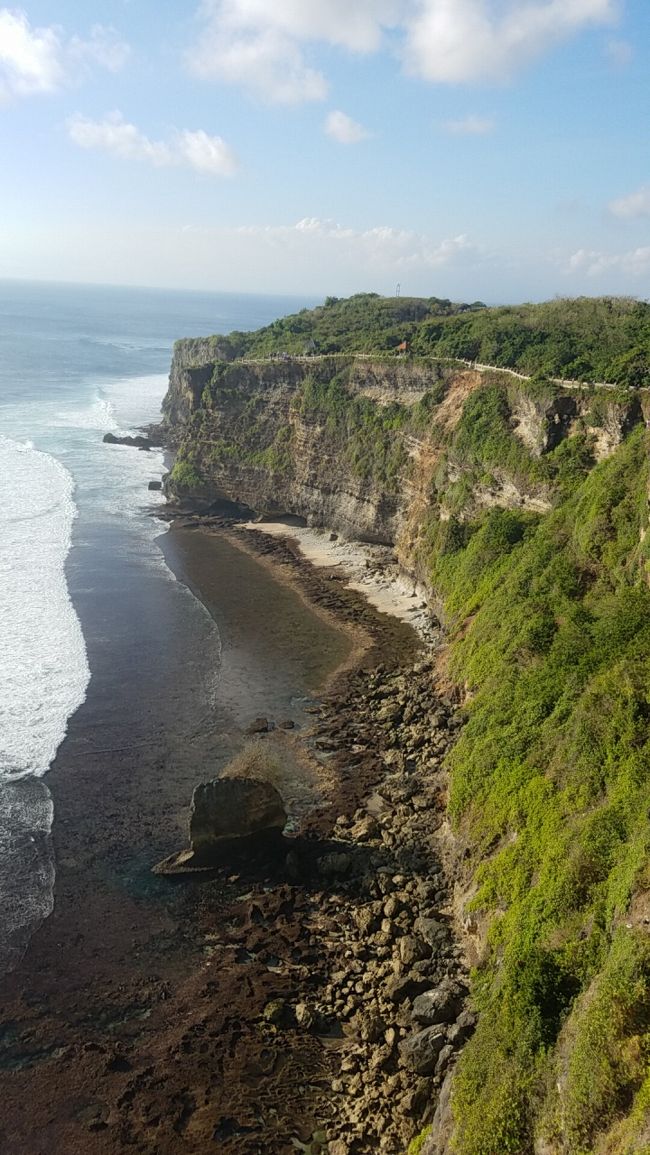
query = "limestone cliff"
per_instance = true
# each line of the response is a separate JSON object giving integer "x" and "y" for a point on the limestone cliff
{"x": 190, "y": 372}
{"x": 257, "y": 434}
{"x": 363, "y": 445}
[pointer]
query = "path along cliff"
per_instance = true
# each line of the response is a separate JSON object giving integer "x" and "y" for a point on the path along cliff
{"x": 521, "y": 508}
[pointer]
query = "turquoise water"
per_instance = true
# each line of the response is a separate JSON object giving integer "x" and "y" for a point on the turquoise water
{"x": 75, "y": 363}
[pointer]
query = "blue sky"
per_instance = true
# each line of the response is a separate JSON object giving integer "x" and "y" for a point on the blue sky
{"x": 493, "y": 149}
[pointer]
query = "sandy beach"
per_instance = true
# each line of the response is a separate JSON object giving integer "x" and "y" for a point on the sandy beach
{"x": 372, "y": 570}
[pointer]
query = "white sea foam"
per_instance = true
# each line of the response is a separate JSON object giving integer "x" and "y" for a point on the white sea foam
{"x": 135, "y": 401}
{"x": 98, "y": 415}
{"x": 26, "y": 864}
{"x": 132, "y": 403}
{"x": 43, "y": 666}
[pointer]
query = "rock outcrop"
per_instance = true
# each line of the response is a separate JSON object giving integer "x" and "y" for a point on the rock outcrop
{"x": 224, "y": 812}
{"x": 191, "y": 370}
{"x": 138, "y": 441}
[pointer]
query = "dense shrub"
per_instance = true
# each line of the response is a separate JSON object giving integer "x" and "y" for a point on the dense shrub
{"x": 550, "y": 780}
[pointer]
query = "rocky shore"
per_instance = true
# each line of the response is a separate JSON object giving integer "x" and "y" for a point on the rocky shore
{"x": 373, "y": 570}
{"x": 393, "y": 982}
{"x": 357, "y": 927}
{"x": 307, "y": 996}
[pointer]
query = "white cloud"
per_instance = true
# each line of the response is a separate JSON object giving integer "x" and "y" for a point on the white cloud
{"x": 594, "y": 263}
{"x": 261, "y": 45}
{"x": 268, "y": 64}
{"x": 206, "y": 153}
{"x": 196, "y": 150}
{"x": 470, "y": 126}
{"x": 41, "y": 60}
{"x": 103, "y": 47}
{"x": 451, "y": 41}
{"x": 382, "y": 247}
{"x": 344, "y": 129}
{"x": 636, "y": 204}
{"x": 118, "y": 137}
{"x": 30, "y": 59}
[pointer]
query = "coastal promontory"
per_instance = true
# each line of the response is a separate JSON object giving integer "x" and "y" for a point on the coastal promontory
{"x": 501, "y": 457}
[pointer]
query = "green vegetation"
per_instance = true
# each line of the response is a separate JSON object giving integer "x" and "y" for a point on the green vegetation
{"x": 184, "y": 475}
{"x": 550, "y": 782}
{"x": 589, "y": 339}
{"x": 363, "y": 323}
{"x": 415, "y": 1147}
{"x": 359, "y": 432}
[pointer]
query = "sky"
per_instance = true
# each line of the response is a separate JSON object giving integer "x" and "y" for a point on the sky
{"x": 474, "y": 149}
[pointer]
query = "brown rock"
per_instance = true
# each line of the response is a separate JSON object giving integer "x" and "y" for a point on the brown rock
{"x": 258, "y": 726}
{"x": 420, "y": 1052}
{"x": 223, "y": 811}
{"x": 411, "y": 949}
{"x": 366, "y": 829}
{"x": 304, "y": 1016}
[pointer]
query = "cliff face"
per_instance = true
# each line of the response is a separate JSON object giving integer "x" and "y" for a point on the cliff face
{"x": 524, "y": 509}
{"x": 364, "y": 446}
{"x": 191, "y": 370}
{"x": 262, "y": 435}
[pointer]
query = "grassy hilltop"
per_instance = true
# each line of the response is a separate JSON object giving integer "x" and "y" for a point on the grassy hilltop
{"x": 590, "y": 339}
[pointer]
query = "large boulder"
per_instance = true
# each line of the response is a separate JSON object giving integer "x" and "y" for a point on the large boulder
{"x": 420, "y": 1051}
{"x": 233, "y": 808}
{"x": 225, "y": 812}
{"x": 441, "y": 1005}
{"x": 432, "y": 930}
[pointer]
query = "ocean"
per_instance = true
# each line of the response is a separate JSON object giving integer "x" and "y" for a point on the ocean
{"x": 78, "y": 530}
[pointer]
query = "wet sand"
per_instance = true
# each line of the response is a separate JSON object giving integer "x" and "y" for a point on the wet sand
{"x": 371, "y": 569}
{"x": 112, "y": 1019}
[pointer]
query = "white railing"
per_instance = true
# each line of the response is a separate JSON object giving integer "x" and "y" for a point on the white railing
{"x": 567, "y": 382}
{"x": 309, "y": 358}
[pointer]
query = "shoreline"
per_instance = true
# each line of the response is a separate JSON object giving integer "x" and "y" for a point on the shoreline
{"x": 268, "y": 1004}
{"x": 282, "y": 571}
{"x": 414, "y": 1057}
{"x": 365, "y": 590}
{"x": 371, "y": 570}
{"x": 113, "y": 965}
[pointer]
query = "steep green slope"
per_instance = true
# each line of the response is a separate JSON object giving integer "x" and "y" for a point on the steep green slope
{"x": 550, "y": 787}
